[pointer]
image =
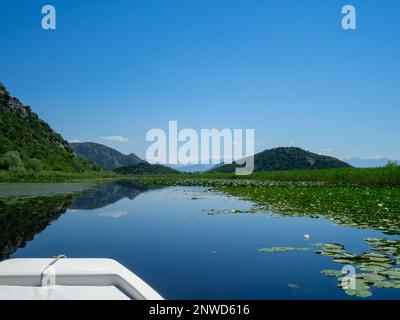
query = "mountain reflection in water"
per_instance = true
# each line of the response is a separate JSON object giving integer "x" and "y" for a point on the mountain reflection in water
{"x": 22, "y": 219}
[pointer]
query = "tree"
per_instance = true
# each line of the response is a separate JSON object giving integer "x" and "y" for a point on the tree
{"x": 35, "y": 165}
{"x": 11, "y": 160}
{"x": 392, "y": 164}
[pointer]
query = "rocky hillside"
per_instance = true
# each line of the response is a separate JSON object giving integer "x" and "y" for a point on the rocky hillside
{"x": 24, "y": 135}
{"x": 106, "y": 157}
{"x": 287, "y": 158}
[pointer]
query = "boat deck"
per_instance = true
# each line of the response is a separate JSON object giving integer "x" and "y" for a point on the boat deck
{"x": 71, "y": 279}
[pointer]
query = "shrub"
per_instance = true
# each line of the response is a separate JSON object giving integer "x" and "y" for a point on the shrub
{"x": 392, "y": 164}
{"x": 18, "y": 171}
{"x": 35, "y": 165}
{"x": 11, "y": 160}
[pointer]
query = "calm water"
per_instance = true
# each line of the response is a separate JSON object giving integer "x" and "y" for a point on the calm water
{"x": 170, "y": 240}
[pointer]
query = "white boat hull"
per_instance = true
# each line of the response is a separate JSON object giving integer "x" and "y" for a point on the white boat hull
{"x": 71, "y": 279}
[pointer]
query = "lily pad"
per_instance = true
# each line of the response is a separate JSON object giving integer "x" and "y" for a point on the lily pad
{"x": 330, "y": 246}
{"x": 332, "y": 273}
{"x": 279, "y": 249}
{"x": 371, "y": 277}
{"x": 363, "y": 293}
{"x": 373, "y": 255}
{"x": 345, "y": 261}
{"x": 330, "y": 253}
{"x": 393, "y": 273}
{"x": 384, "y": 284}
{"x": 372, "y": 267}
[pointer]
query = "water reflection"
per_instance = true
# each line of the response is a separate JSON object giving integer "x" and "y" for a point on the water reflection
{"x": 22, "y": 219}
{"x": 108, "y": 194}
{"x": 169, "y": 239}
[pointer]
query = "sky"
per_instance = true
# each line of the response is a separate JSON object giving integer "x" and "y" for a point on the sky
{"x": 113, "y": 70}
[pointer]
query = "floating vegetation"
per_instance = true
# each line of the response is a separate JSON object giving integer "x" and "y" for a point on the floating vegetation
{"x": 332, "y": 273}
{"x": 280, "y": 249}
{"x": 349, "y": 197}
{"x": 371, "y": 267}
{"x": 388, "y": 246}
{"x": 230, "y": 211}
{"x": 329, "y": 249}
{"x": 384, "y": 284}
{"x": 370, "y": 278}
{"x": 393, "y": 273}
{"x": 362, "y": 292}
{"x": 363, "y": 199}
{"x": 352, "y": 206}
{"x": 380, "y": 265}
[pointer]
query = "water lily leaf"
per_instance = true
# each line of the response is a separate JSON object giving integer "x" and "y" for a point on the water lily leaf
{"x": 379, "y": 259}
{"x": 361, "y": 284}
{"x": 384, "y": 284}
{"x": 371, "y": 277}
{"x": 371, "y": 267}
{"x": 333, "y": 246}
{"x": 364, "y": 293}
{"x": 393, "y": 273}
{"x": 360, "y": 289}
{"x": 279, "y": 249}
{"x": 332, "y": 273}
{"x": 330, "y": 253}
{"x": 373, "y": 255}
{"x": 330, "y": 246}
{"x": 345, "y": 261}
{"x": 348, "y": 255}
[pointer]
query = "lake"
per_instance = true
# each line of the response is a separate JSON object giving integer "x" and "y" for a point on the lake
{"x": 186, "y": 242}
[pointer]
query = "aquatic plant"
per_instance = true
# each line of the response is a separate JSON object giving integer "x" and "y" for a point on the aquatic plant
{"x": 380, "y": 269}
{"x": 280, "y": 249}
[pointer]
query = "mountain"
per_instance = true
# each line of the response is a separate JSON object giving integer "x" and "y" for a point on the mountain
{"x": 24, "y": 136}
{"x": 287, "y": 158}
{"x": 111, "y": 159}
{"x": 105, "y": 157}
{"x": 145, "y": 168}
{"x": 368, "y": 163}
{"x": 191, "y": 167}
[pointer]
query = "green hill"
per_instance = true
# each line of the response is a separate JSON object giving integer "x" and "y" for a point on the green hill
{"x": 27, "y": 142}
{"x": 287, "y": 158}
{"x": 145, "y": 168}
{"x": 105, "y": 157}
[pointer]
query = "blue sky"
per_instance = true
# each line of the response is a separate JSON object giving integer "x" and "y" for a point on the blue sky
{"x": 285, "y": 68}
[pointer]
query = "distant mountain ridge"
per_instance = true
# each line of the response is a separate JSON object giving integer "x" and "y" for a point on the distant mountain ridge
{"x": 106, "y": 157}
{"x": 22, "y": 131}
{"x": 145, "y": 168}
{"x": 287, "y": 158}
{"x": 191, "y": 168}
{"x": 369, "y": 163}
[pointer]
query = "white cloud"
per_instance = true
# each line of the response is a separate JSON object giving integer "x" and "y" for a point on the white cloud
{"x": 115, "y": 138}
{"x": 113, "y": 214}
{"x": 74, "y": 141}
